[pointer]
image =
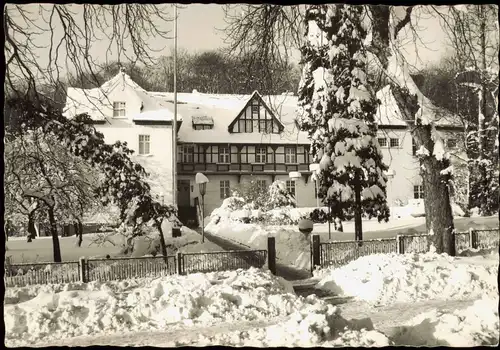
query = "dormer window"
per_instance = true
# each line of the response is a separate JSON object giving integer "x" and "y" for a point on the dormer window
{"x": 118, "y": 109}
{"x": 202, "y": 122}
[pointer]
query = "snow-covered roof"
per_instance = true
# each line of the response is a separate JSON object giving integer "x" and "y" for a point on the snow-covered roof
{"x": 390, "y": 114}
{"x": 164, "y": 115}
{"x": 90, "y": 100}
{"x": 224, "y": 109}
{"x": 220, "y": 110}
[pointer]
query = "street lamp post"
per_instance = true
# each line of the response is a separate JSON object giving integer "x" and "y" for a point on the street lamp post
{"x": 294, "y": 175}
{"x": 202, "y": 180}
{"x": 314, "y": 168}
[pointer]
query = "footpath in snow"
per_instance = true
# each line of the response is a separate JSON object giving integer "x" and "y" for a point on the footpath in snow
{"x": 264, "y": 310}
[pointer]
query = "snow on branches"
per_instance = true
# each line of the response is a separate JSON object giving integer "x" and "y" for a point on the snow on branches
{"x": 337, "y": 107}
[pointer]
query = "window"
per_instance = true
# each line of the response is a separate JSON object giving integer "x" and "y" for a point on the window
{"x": 413, "y": 147}
{"x": 262, "y": 126}
{"x": 418, "y": 192}
{"x": 248, "y": 125}
{"x": 382, "y": 142}
{"x": 224, "y": 189}
{"x": 144, "y": 144}
{"x": 202, "y": 127}
{"x": 118, "y": 109}
{"x": 260, "y": 155}
{"x": 223, "y": 154}
{"x": 315, "y": 189}
{"x": 186, "y": 153}
{"x": 262, "y": 184}
{"x": 269, "y": 126}
{"x": 290, "y": 155}
{"x": 255, "y": 109}
{"x": 451, "y": 143}
{"x": 290, "y": 187}
{"x": 394, "y": 143}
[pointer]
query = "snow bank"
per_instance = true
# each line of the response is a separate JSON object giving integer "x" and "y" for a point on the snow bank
{"x": 477, "y": 325}
{"x": 60, "y": 311}
{"x": 315, "y": 324}
{"x": 49, "y": 313}
{"x": 387, "y": 278}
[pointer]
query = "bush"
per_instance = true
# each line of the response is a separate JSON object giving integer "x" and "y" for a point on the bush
{"x": 318, "y": 216}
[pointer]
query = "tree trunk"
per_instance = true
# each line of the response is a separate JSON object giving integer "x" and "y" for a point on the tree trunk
{"x": 163, "y": 245}
{"x": 55, "y": 239}
{"x": 31, "y": 226}
{"x": 79, "y": 233}
{"x": 438, "y": 213}
{"x": 358, "y": 223}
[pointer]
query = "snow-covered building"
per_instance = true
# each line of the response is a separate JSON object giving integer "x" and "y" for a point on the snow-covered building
{"x": 235, "y": 138}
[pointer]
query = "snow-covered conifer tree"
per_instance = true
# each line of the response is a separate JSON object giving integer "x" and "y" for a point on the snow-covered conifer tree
{"x": 337, "y": 108}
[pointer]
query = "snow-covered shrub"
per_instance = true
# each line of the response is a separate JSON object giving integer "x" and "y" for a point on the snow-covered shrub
{"x": 252, "y": 193}
{"x": 278, "y": 196}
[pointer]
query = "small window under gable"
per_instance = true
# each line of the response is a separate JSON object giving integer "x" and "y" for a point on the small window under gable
{"x": 202, "y": 122}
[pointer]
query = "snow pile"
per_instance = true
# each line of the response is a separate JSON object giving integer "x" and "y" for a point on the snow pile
{"x": 315, "y": 324}
{"x": 388, "y": 278}
{"x": 477, "y": 325}
{"x": 61, "y": 311}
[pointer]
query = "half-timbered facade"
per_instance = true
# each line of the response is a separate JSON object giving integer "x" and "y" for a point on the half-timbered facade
{"x": 235, "y": 138}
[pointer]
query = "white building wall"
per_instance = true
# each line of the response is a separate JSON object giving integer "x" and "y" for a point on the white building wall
{"x": 403, "y": 163}
{"x": 159, "y": 162}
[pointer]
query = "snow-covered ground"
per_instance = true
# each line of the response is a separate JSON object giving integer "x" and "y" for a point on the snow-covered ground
{"x": 389, "y": 278}
{"x": 98, "y": 245}
{"x": 254, "y": 308}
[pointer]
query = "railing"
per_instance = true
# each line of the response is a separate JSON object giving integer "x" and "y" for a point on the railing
{"x": 462, "y": 241}
{"x": 487, "y": 238}
{"x": 340, "y": 253}
{"x": 125, "y": 268}
{"x": 222, "y": 261}
{"x": 418, "y": 243}
{"x": 242, "y": 168}
{"x": 87, "y": 270}
{"x": 40, "y": 273}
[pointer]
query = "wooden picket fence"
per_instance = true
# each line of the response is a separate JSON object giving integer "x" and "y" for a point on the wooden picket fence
{"x": 87, "y": 270}
{"x": 338, "y": 253}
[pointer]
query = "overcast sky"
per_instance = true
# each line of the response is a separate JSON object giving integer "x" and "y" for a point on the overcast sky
{"x": 198, "y": 24}
{"x": 200, "y": 29}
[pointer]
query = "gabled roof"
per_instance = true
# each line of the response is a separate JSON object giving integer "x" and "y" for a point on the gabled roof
{"x": 390, "y": 114}
{"x": 256, "y": 96}
{"x": 88, "y": 100}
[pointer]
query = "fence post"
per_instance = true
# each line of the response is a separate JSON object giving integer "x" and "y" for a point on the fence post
{"x": 315, "y": 254}
{"x": 473, "y": 238}
{"x": 271, "y": 254}
{"x": 178, "y": 261}
{"x": 400, "y": 244}
{"x": 82, "y": 266}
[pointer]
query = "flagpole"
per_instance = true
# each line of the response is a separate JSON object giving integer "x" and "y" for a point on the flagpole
{"x": 174, "y": 124}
